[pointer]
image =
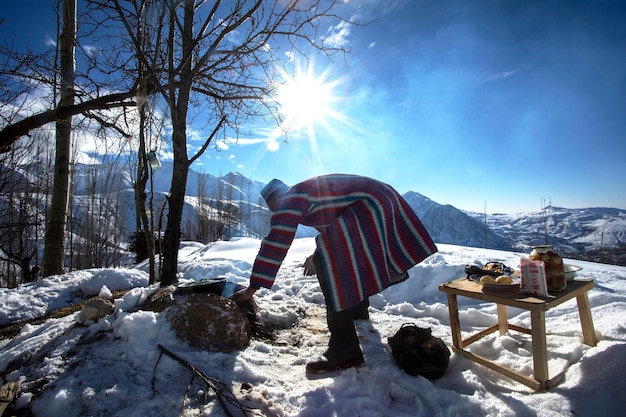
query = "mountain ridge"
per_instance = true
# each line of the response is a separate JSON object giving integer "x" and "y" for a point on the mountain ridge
{"x": 570, "y": 230}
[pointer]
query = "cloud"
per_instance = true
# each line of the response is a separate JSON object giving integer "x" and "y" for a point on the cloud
{"x": 49, "y": 41}
{"x": 501, "y": 75}
{"x": 166, "y": 155}
{"x": 246, "y": 142}
{"x": 91, "y": 50}
{"x": 337, "y": 35}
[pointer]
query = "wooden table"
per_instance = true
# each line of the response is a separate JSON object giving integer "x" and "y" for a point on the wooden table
{"x": 537, "y": 307}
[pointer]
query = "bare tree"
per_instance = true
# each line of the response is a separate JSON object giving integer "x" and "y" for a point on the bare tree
{"x": 16, "y": 244}
{"x": 144, "y": 172}
{"x": 212, "y": 214}
{"x": 24, "y": 75}
{"x": 201, "y": 229}
{"x": 546, "y": 217}
{"x": 97, "y": 217}
{"x": 144, "y": 235}
{"x": 98, "y": 84}
{"x": 54, "y": 252}
{"x": 24, "y": 187}
{"x": 485, "y": 223}
{"x": 219, "y": 59}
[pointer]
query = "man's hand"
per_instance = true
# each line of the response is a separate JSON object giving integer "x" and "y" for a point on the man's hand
{"x": 309, "y": 267}
{"x": 243, "y": 295}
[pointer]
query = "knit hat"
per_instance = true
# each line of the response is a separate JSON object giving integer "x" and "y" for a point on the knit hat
{"x": 273, "y": 186}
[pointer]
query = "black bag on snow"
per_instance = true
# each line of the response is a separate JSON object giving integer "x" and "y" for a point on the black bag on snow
{"x": 418, "y": 352}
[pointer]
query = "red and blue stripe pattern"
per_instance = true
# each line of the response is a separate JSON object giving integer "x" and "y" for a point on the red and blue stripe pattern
{"x": 369, "y": 236}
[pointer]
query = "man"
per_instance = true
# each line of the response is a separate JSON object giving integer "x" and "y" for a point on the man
{"x": 368, "y": 238}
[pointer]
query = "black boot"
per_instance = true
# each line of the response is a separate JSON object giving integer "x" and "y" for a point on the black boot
{"x": 335, "y": 360}
{"x": 344, "y": 350}
{"x": 360, "y": 311}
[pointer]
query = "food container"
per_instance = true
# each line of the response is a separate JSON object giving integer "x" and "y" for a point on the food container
{"x": 210, "y": 285}
{"x": 555, "y": 272}
{"x": 512, "y": 286}
{"x": 570, "y": 272}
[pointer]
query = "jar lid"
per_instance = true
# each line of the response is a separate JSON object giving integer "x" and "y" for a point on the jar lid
{"x": 543, "y": 247}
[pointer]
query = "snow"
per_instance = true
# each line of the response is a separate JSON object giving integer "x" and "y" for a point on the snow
{"x": 114, "y": 367}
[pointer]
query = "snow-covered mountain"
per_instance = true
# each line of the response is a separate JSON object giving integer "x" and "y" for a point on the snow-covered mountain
{"x": 570, "y": 230}
{"x": 574, "y": 230}
{"x": 448, "y": 224}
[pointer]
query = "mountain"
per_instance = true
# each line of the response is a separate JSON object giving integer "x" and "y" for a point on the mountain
{"x": 573, "y": 230}
{"x": 570, "y": 230}
{"x": 447, "y": 224}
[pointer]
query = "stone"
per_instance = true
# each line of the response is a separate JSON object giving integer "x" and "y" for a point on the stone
{"x": 209, "y": 321}
{"x": 94, "y": 310}
{"x": 204, "y": 320}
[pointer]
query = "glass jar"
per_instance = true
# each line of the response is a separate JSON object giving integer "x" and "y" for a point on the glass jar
{"x": 555, "y": 272}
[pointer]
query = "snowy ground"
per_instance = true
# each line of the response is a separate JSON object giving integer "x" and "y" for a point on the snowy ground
{"x": 113, "y": 367}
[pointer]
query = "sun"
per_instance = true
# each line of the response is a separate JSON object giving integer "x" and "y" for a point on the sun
{"x": 306, "y": 99}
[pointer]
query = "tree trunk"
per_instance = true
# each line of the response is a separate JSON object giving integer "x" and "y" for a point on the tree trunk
{"x": 140, "y": 194}
{"x": 179, "y": 106}
{"x": 176, "y": 201}
{"x": 54, "y": 251}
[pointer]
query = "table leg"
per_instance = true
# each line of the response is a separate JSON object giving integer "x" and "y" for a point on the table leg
{"x": 455, "y": 323}
{"x": 503, "y": 323}
{"x": 540, "y": 350}
{"x": 586, "y": 321}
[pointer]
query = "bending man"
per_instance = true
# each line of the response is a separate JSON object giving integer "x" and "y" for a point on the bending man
{"x": 368, "y": 238}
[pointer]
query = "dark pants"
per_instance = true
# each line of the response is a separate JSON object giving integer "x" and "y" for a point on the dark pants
{"x": 343, "y": 337}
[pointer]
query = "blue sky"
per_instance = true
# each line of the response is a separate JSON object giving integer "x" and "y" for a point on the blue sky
{"x": 503, "y": 104}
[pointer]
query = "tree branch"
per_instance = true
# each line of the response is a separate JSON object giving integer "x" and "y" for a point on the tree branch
{"x": 13, "y": 132}
{"x": 206, "y": 143}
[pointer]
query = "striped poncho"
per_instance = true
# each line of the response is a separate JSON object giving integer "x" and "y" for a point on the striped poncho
{"x": 369, "y": 236}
